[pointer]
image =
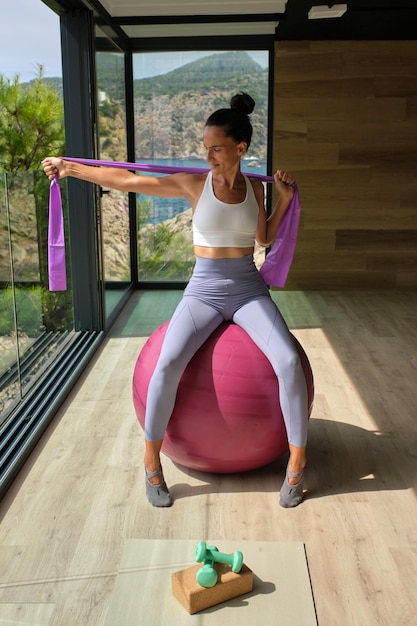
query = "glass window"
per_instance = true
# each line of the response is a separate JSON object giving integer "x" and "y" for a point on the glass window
{"x": 174, "y": 92}
{"x": 114, "y": 204}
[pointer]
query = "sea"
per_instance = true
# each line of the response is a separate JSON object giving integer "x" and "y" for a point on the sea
{"x": 162, "y": 209}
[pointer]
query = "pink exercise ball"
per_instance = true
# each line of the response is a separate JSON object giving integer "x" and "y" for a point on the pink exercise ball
{"x": 227, "y": 415}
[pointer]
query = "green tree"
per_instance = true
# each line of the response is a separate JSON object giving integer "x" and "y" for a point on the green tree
{"x": 31, "y": 127}
{"x": 31, "y": 123}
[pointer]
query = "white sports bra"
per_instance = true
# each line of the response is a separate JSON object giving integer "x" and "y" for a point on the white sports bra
{"x": 218, "y": 224}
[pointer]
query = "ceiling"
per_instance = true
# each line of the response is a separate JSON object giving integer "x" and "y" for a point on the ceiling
{"x": 285, "y": 19}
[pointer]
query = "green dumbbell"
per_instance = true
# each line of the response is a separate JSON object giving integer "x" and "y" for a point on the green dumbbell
{"x": 207, "y": 575}
{"x": 211, "y": 554}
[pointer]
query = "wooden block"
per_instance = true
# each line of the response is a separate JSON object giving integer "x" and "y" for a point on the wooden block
{"x": 195, "y": 598}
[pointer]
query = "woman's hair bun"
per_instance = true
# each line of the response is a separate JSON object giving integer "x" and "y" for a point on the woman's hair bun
{"x": 243, "y": 103}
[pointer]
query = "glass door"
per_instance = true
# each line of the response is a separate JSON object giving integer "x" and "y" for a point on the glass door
{"x": 115, "y": 225}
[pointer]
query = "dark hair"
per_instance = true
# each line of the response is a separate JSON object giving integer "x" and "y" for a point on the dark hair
{"x": 235, "y": 121}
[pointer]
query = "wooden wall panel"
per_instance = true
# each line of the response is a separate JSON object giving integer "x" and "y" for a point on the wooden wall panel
{"x": 345, "y": 123}
{"x": 332, "y": 110}
{"x": 378, "y": 240}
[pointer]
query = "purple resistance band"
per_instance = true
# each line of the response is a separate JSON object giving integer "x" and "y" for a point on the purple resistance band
{"x": 278, "y": 261}
{"x": 56, "y": 241}
{"x": 274, "y": 271}
{"x": 158, "y": 169}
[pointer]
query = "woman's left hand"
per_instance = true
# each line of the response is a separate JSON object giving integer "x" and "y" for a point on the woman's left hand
{"x": 283, "y": 183}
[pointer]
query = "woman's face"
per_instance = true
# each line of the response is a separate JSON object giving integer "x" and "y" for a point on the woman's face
{"x": 222, "y": 152}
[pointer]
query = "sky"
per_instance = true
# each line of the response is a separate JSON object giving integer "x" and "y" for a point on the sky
{"x": 30, "y": 36}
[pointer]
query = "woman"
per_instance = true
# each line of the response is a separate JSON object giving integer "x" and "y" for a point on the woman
{"x": 228, "y": 214}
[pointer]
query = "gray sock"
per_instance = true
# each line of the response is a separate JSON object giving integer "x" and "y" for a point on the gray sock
{"x": 158, "y": 495}
{"x": 291, "y": 495}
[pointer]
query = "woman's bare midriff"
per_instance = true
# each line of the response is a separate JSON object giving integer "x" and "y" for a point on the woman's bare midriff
{"x": 222, "y": 253}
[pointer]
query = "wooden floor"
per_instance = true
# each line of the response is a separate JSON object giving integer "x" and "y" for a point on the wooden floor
{"x": 80, "y": 498}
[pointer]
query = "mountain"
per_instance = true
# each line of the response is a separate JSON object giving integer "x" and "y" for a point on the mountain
{"x": 171, "y": 109}
{"x": 220, "y": 71}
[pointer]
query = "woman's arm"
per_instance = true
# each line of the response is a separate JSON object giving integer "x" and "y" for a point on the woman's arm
{"x": 173, "y": 186}
{"x": 268, "y": 227}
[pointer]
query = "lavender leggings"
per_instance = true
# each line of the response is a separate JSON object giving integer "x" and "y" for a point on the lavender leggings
{"x": 227, "y": 289}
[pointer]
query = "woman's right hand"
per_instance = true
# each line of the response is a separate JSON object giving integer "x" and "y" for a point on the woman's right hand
{"x": 52, "y": 166}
